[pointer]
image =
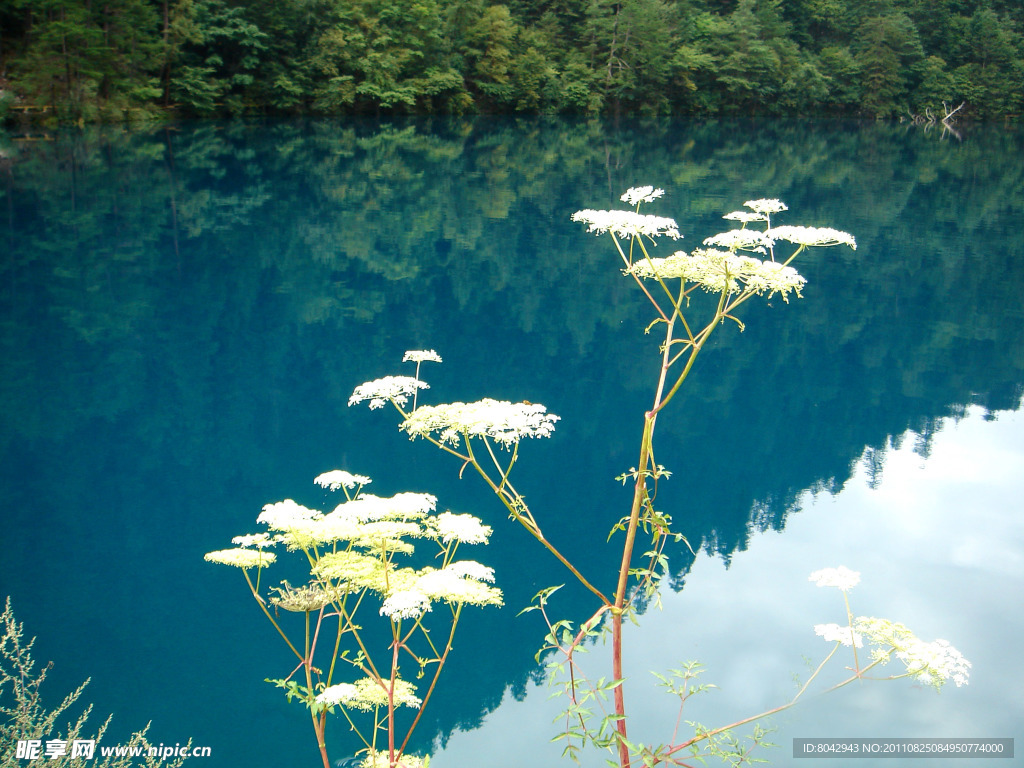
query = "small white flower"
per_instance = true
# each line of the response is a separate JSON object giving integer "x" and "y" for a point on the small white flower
{"x": 401, "y": 506}
{"x": 841, "y": 578}
{"x": 241, "y": 558}
{"x": 741, "y": 240}
{"x": 627, "y": 224}
{"x": 406, "y": 604}
{"x": 457, "y": 584}
{"x": 310, "y": 597}
{"x": 465, "y": 529}
{"x": 382, "y": 759}
{"x": 636, "y": 195}
{"x": 833, "y": 633}
{"x": 367, "y": 694}
{"x": 421, "y": 355}
{"x": 334, "y": 695}
{"x": 470, "y": 569}
{"x": 337, "y": 478}
{"x": 717, "y": 271}
{"x": 812, "y": 236}
{"x": 499, "y": 420}
{"x": 380, "y": 391}
{"x": 283, "y": 515}
{"x": 352, "y": 568}
{"x": 745, "y": 216}
{"x": 932, "y": 663}
{"x": 388, "y": 533}
{"x": 298, "y": 524}
{"x": 260, "y": 540}
{"x": 766, "y": 206}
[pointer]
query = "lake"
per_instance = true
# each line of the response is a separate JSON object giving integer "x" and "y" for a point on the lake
{"x": 186, "y": 310}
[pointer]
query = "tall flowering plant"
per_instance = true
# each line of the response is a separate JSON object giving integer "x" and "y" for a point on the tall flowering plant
{"x": 358, "y": 557}
{"x": 751, "y": 259}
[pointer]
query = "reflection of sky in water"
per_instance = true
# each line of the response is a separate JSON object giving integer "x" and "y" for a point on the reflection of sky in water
{"x": 938, "y": 543}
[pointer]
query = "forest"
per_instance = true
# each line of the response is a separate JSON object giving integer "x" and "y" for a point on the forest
{"x": 78, "y": 61}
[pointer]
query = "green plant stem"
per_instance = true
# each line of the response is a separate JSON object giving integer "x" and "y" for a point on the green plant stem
{"x": 768, "y": 713}
{"x": 640, "y": 496}
{"x": 530, "y": 525}
{"x": 263, "y": 607}
{"x": 395, "y": 648}
{"x": 319, "y": 720}
{"x": 849, "y": 622}
{"x": 433, "y": 682}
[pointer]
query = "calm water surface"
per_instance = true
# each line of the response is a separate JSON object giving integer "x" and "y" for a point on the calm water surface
{"x": 185, "y": 311}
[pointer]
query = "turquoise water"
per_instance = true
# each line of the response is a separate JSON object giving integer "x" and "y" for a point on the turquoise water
{"x": 185, "y": 312}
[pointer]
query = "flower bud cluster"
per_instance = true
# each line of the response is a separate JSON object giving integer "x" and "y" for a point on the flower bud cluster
{"x": 931, "y": 663}
{"x": 500, "y": 420}
{"x": 719, "y": 268}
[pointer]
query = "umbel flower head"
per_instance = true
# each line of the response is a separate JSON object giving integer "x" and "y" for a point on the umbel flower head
{"x": 812, "y": 236}
{"x": 626, "y": 224}
{"x": 500, "y": 420}
{"x": 367, "y": 694}
{"x": 723, "y": 271}
{"x": 260, "y": 540}
{"x": 741, "y": 240}
{"x": 637, "y": 195}
{"x": 241, "y": 558}
{"x": 766, "y": 206}
{"x": 402, "y": 506}
{"x": 394, "y": 388}
{"x": 833, "y": 633}
{"x": 337, "y": 478}
{"x": 930, "y": 663}
{"x": 311, "y": 597}
{"x": 421, "y": 356}
{"x": 465, "y": 529}
{"x": 382, "y": 759}
{"x": 459, "y": 583}
{"x": 842, "y": 578}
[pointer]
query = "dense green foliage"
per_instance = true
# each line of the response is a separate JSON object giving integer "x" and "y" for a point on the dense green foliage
{"x": 83, "y": 60}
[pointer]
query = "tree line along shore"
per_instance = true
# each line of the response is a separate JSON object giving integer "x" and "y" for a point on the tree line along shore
{"x": 77, "y": 61}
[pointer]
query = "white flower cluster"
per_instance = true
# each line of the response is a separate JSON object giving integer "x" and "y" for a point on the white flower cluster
{"x": 464, "y": 529}
{"x": 627, "y": 224}
{"x": 337, "y": 478}
{"x": 421, "y": 356}
{"x": 461, "y": 582}
{"x": 841, "y": 578}
{"x": 745, "y": 216}
{"x": 741, "y": 240}
{"x": 311, "y": 597}
{"x": 833, "y": 633}
{"x": 931, "y": 663}
{"x": 401, "y": 506}
{"x": 367, "y": 694}
{"x": 766, "y": 206}
{"x": 389, "y": 535}
{"x": 297, "y": 526}
{"x": 374, "y": 525}
{"x": 380, "y": 391}
{"x": 499, "y": 420}
{"x": 382, "y": 759}
{"x": 354, "y": 569}
{"x": 717, "y": 271}
{"x": 407, "y": 604}
{"x": 241, "y": 558}
{"x": 812, "y": 236}
{"x": 254, "y": 540}
{"x": 637, "y": 195}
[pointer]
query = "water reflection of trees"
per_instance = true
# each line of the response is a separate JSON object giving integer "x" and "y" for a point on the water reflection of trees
{"x": 216, "y": 290}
